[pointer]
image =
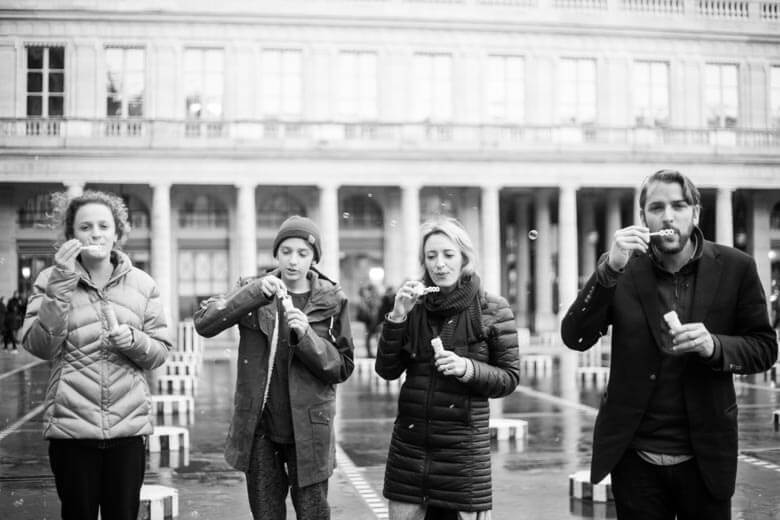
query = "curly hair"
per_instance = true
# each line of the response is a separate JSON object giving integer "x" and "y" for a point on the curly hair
{"x": 65, "y": 209}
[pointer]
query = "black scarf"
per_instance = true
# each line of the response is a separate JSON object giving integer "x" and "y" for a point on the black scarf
{"x": 441, "y": 314}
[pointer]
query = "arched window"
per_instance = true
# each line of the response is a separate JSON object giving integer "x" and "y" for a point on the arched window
{"x": 137, "y": 211}
{"x": 774, "y": 218}
{"x": 36, "y": 212}
{"x": 203, "y": 211}
{"x": 361, "y": 212}
{"x": 276, "y": 209}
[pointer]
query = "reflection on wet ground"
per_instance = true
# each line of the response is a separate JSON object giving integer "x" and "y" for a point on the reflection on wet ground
{"x": 530, "y": 476}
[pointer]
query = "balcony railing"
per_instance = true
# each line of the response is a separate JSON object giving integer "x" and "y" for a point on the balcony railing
{"x": 320, "y": 135}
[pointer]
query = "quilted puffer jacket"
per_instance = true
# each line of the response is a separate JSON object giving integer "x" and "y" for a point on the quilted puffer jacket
{"x": 96, "y": 391}
{"x": 440, "y": 449}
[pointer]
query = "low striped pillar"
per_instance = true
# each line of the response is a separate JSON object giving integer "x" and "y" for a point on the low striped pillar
{"x": 158, "y": 503}
{"x": 581, "y": 487}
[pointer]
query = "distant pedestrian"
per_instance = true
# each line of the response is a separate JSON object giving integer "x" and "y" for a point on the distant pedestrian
{"x": 457, "y": 345}
{"x": 3, "y": 328}
{"x": 13, "y": 320}
{"x": 295, "y": 346}
{"x": 367, "y": 314}
{"x": 100, "y": 322}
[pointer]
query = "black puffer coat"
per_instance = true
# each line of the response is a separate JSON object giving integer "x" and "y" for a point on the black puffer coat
{"x": 440, "y": 449}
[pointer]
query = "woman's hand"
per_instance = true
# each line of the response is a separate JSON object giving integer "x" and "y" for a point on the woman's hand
{"x": 407, "y": 297}
{"x": 450, "y": 364}
{"x": 65, "y": 257}
{"x": 297, "y": 321}
{"x": 121, "y": 337}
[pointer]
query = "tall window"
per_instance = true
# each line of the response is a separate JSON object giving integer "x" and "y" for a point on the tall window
{"x": 275, "y": 210}
{"x": 505, "y": 89}
{"x": 202, "y": 273}
{"x": 203, "y": 211}
{"x": 361, "y": 212}
{"x": 358, "y": 85}
{"x": 36, "y": 212}
{"x": 45, "y": 81}
{"x": 774, "y": 96}
{"x": 721, "y": 93}
{"x": 651, "y": 93}
{"x": 281, "y": 79}
{"x": 125, "y": 82}
{"x": 204, "y": 83}
{"x": 432, "y": 87}
{"x": 578, "y": 91}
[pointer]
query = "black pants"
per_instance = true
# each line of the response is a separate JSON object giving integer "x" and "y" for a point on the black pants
{"x": 272, "y": 472}
{"x": 644, "y": 491}
{"x": 92, "y": 474}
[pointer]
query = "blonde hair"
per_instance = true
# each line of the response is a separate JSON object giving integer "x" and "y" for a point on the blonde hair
{"x": 454, "y": 230}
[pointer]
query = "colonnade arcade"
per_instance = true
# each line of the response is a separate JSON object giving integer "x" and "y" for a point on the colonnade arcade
{"x": 535, "y": 245}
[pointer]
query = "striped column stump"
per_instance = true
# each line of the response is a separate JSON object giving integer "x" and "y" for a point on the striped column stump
{"x": 190, "y": 358}
{"x": 593, "y": 374}
{"x": 158, "y": 503}
{"x": 167, "y": 384}
{"x": 504, "y": 429}
{"x": 536, "y": 363}
{"x": 178, "y": 368}
{"x": 170, "y": 409}
{"x": 580, "y": 487}
{"x": 167, "y": 459}
{"x": 169, "y": 438}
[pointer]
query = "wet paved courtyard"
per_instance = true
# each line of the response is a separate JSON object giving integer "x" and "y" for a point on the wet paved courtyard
{"x": 530, "y": 476}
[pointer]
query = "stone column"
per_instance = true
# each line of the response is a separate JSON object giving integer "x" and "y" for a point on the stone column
{"x": 522, "y": 260}
{"x": 247, "y": 230}
{"x": 393, "y": 244}
{"x": 759, "y": 242}
{"x": 161, "y": 248}
{"x": 329, "y": 225}
{"x": 410, "y": 229}
{"x": 613, "y": 219}
{"x": 724, "y": 225}
{"x": 74, "y": 189}
{"x": 589, "y": 237}
{"x": 544, "y": 319}
{"x": 567, "y": 248}
{"x": 491, "y": 240}
{"x": 635, "y": 208}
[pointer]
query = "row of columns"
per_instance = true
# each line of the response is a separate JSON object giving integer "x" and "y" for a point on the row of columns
{"x": 488, "y": 242}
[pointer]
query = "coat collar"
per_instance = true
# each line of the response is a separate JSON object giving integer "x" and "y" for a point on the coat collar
{"x": 122, "y": 265}
{"x": 708, "y": 275}
{"x": 323, "y": 301}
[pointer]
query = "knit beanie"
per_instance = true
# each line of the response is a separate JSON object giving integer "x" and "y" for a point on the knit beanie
{"x": 299, "y": 227}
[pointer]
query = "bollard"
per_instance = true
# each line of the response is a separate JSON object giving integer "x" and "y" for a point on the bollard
{"x": 580, "y": 487}
{"x": 158, "y": 503}
{"x": 502, "y": 428}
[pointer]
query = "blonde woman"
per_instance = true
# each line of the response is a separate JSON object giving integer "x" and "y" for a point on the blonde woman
{"x": 457, "y": 345}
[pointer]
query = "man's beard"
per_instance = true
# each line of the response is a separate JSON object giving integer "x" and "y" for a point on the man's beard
{"x": 668, "y": 248}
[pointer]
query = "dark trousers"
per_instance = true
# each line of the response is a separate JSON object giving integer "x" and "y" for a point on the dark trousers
{"x": 644, "y": 491}
{"x": 92, "y": 474}
{"x": 267, "y": 483}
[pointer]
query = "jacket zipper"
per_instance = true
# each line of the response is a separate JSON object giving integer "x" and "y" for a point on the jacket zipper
{"x": 426, "y": 432}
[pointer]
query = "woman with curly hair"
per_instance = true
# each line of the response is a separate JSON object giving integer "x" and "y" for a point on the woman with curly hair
{"x": 99, "y": 320}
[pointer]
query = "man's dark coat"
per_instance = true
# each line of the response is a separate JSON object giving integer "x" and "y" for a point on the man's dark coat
{"x": 729, "y": 300}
